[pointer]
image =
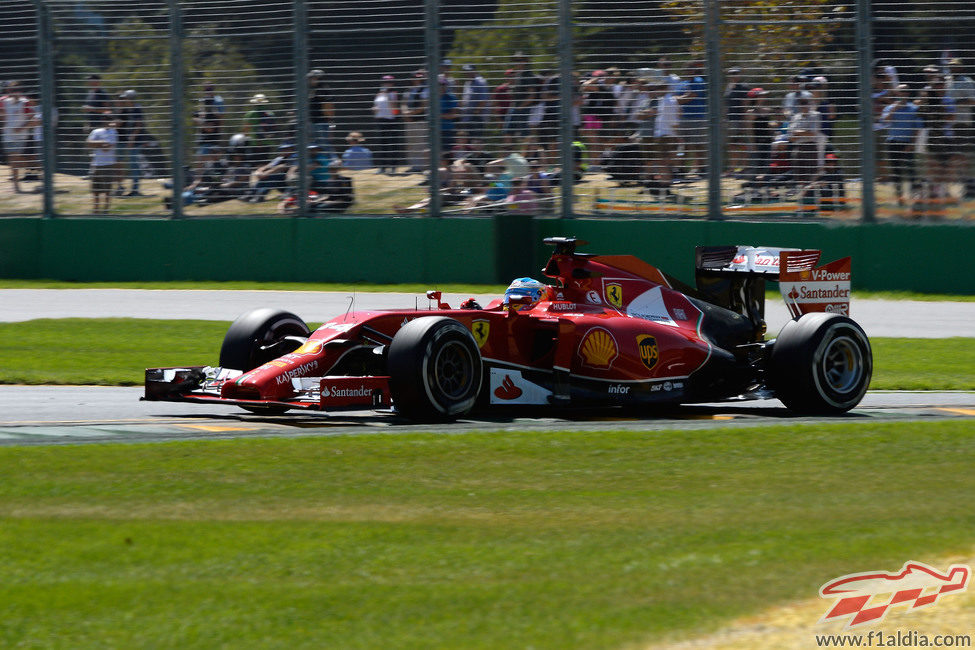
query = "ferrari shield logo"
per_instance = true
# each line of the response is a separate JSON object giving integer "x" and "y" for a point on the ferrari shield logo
{"x": 614, "y": 294}
{"x": 480, "y": 329}
{"x": 648, "y": 350}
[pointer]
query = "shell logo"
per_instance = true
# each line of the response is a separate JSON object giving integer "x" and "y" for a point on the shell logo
{"x": 598, "y": 348}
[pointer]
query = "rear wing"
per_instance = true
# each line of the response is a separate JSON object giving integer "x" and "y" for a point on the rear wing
{"x": 734, "y": 277}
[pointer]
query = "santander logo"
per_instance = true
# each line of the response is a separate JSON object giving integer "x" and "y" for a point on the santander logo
{"x": 507, "y": 389}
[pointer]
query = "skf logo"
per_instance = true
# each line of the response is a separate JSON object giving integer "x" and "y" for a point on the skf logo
{"x": 481, "y": 329}
{"x": 614, "y": 294}
{"x": 598, "y": 348}
{"x": 649, "y": 354}
{"x": 915, "y": 585}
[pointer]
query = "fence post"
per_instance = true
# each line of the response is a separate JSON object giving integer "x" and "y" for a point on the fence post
{"x": 868, "y": 153}
{"x": 45, "y": 60}
{"x": 178, "y": 123}
{"x": 566, "y": 91}
{"x": 301, "y": 101}
{"x": 715, "y": 85}
{"x": 432, "y": 39}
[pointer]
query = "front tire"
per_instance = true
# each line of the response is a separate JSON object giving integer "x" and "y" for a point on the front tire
{"x": 434, "y": 369}
{"x": 260, "y": 336}
{"x": 821, "y": 364}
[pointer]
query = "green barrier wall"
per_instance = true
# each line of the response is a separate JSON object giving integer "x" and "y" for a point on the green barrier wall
{"x": 931, "y": 258}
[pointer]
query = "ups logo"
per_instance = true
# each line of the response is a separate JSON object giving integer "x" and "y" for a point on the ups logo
{"x": 649, "y": 354}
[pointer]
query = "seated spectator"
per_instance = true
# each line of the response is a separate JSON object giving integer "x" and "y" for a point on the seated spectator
{"x": 356, "y": 156}
{"x": 522, "y": 200}
{"x": 234, "y": 183}
{"x": 337, "y": 195}
{"x": 272, "y": 176}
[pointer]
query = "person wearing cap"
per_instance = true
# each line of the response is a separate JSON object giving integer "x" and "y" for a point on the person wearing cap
{"x": 131, "y": 136}
{"x": 693, "y": 100}
{"x": 321, "y": 109}
{"x": 524, "y": 90}
{"x": 413, "y": 108}
{"x": 102, "y": 142}
{"x": 942, "y": 157}
{"x": 17, "y": 113}
{"x": 336, "y": 195}
{"x": 961, "y": 89}
{"x": 807, "y": 140}
{"x": 97, "y": 100}
{"x": 473, "y": 102}
{"x": 259, "y": 126}
{"x": 356, "y": 156}
{"x": 385, "y": 112}
{"x": 790, "y": 103}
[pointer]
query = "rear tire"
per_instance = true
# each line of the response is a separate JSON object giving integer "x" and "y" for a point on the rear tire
{"x": 434, "y": 368}
{"x": 821, "y": 364}
{"x": 248, "y": 343}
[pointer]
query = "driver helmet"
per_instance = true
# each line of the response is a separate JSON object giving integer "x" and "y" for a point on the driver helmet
{"x": 531, "y": 287}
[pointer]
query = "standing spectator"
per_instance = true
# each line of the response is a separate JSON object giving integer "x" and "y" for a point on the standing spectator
{"x": 819, "y": 88}
{"x": 96, "y": 103}
{"x": 356, "y": 156}
{"x": 735, "y": 97}
{"x": 17, "y": 114}
{"x": 384, "y": 110}
{"x": 761, "y": 130}
{"x": 548, "y": 129}
{"x": 501, "y": 97}
{"x": 598, "y": 104}
{"x": 321, "y": 110}
{"x": 665, "y": 133}
{"x": 806, "y": 137}
{"x": 961, "y": 89}
{"x": 937, "y": 110}
{"x": 524, "y": 92}
{"x": 445, "y": 73}
{"x": 131, "y": 135}
{"x": 474, "y": 104}
{"x": 903, "y": 125}
{"x": 693, "y": 118}
{"x": 209, "y": 126}
{"x": 102, "y": 142}
{"x": 259, "y": 127}
{"x": 790, "y": 104}
{"x": 414, "y": 111}
{"x": 449, "y": 112}
{"x": 880, "y": 87}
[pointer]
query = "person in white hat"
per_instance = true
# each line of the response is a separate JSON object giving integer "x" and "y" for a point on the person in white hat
{"x": 260, "y": 126}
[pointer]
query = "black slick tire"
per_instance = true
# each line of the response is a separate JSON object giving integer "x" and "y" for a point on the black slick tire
{"x": 260, "y": 336}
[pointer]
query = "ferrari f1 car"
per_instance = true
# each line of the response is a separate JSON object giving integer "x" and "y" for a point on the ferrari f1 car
{"x": 608, "y": 330}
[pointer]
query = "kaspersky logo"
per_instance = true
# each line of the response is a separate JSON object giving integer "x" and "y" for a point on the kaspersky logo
{"x": 865, "y": 598}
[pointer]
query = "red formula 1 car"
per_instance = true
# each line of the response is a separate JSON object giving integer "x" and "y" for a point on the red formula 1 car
{"x": 609, "y": 330}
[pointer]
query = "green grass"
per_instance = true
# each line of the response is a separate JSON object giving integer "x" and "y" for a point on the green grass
{"x": 502, "y": 540}
{"x": 115, "y": 352}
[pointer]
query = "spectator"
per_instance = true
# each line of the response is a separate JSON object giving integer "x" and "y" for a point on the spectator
{"x": 693, "y": 122}
{"x": 961, "y": 89}
{"x": 97, "y": 101}
{"x": 735, "y": 99}
{"x": 760, "y": 128}
{"x": 102, "y": 142}
{"x": 356, "y": 156}
{"x": 17, "y": 115}
{"x": 937, "y": 110}
{"x": 337, "y": 195}
{"x": 445, "y": 74}
{"x": 234, "y": 184}
{"x": 806, "y": 138}
{"x": 501, "y": 97}
{"x": 790, "y": 104}
{"x": 819, "y": 87}
{"x": 524, "y": 93}
{"x": 903, "y": 126}
{"x": 449, "y": 112}
{"x": 273, "y": 175}
{"x": 474, "y": 103}
{"x": 665, "y": 133}
{"x": 131, "y": 135}
{"x": 598, "y": 104}
{"x": 384, "y": 111}
{"x": 414, "y": 111}
{"x": 259, "y": 127}
{"x": 209, "y": 126}
{"x": 321, "y": 110}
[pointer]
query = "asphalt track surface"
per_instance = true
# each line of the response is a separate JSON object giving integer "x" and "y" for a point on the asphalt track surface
{"x": 76, "y": 414}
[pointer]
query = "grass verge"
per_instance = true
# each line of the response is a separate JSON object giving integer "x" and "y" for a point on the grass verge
{"x": 502, "y": 540}
{"x": 115, "y": 352}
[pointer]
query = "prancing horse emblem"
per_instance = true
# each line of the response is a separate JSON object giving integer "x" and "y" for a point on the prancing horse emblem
{"x": 480, "y": 329}
{"x": 614, "y": 295}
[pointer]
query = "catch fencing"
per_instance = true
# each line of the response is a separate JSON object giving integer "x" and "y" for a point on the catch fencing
{"x": 844, "y": 110}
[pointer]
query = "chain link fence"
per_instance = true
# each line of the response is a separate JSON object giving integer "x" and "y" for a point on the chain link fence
{"x": 788, "y": 110}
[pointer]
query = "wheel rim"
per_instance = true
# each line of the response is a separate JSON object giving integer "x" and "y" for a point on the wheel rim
{"x": 842, "y": 365}
{"x": 452, "y": 370}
